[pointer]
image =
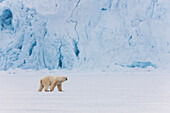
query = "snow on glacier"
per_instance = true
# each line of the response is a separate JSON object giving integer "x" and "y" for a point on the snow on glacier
{"x": 84, "y": 34}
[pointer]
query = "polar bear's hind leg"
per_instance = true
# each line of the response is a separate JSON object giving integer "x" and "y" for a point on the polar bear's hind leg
{"x": 41, "y": 86}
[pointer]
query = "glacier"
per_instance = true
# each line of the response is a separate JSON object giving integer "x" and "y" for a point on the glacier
{"x": 97, "y": 34}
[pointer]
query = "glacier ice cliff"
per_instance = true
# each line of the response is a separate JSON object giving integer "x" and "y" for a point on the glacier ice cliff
{"x": 97, "y": 34}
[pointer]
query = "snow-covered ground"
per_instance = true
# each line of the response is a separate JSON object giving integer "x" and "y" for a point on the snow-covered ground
{"x": 86, "y": 93}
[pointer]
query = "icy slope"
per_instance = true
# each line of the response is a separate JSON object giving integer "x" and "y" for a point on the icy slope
{"x": 101, "y": 34}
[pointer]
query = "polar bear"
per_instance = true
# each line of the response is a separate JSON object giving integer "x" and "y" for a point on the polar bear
{"x": 51, "y": 81}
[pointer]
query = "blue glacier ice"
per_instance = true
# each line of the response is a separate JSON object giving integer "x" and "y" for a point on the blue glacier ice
{"x": 141, "y": 64}
{"x": 6, "y": 19}
{"x": 97, "y": 34}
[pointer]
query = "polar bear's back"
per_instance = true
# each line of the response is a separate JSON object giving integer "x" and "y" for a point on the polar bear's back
{"x": 48, "y": 78}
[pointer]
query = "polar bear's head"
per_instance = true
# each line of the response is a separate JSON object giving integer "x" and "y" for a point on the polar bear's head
{"x": 62, "y": 78}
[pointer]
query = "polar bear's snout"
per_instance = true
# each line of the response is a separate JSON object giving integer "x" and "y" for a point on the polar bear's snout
{"x": 65, "y": 78}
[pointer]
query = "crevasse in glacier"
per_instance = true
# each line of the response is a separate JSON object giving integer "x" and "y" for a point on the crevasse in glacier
{"x": 69, "y": 34}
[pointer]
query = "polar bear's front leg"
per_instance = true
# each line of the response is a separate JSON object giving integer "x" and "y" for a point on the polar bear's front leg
{"x": 59, "y": 87}
{"x": 46, "y": 88}
{"x": 52, "y": 86}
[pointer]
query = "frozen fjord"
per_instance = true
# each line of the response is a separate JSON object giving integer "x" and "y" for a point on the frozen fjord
{"x": 87, "y": 93}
